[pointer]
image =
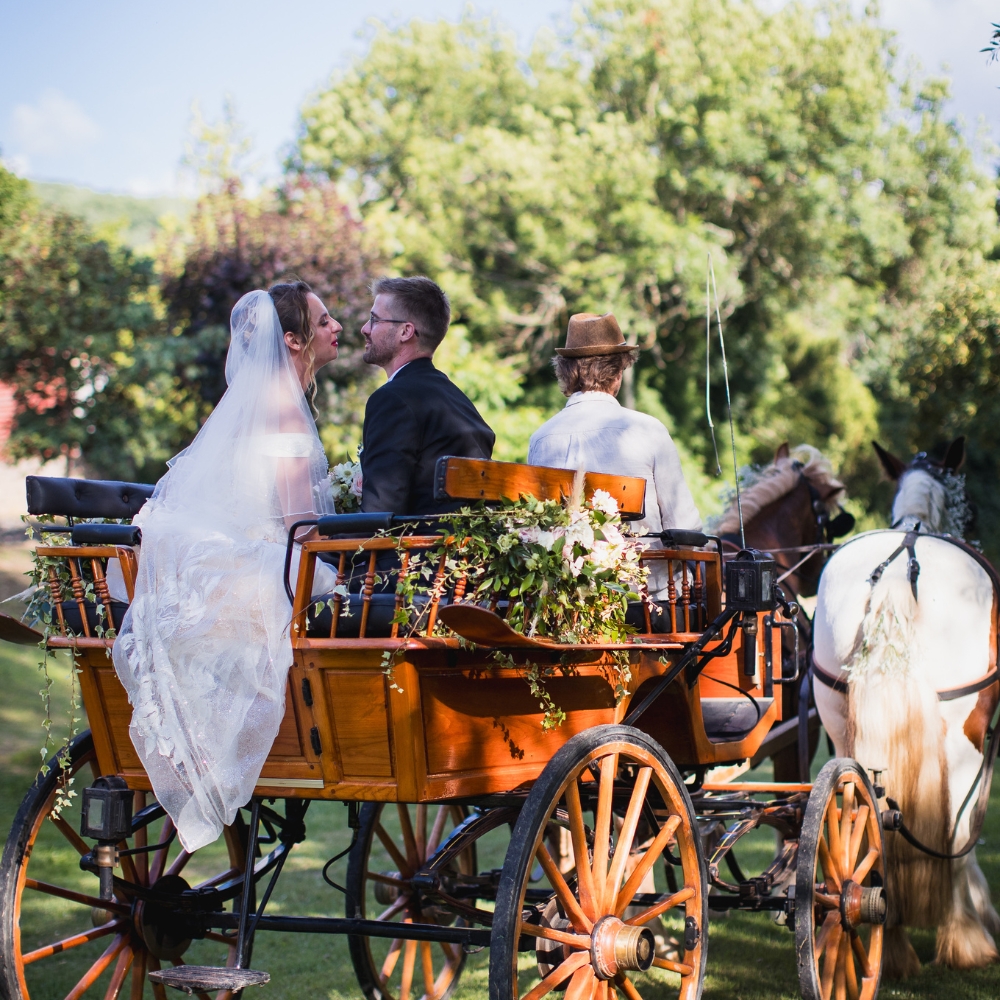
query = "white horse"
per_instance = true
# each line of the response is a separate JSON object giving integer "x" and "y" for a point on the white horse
{"x": 894, "y": 652}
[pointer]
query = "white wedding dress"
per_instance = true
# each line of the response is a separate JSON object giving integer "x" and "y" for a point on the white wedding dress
{"x": 204, "y": 649}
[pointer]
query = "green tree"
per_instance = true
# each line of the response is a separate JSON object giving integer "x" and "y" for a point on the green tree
{"x": 76, "y": 316}
{"x": 596, "y": 173}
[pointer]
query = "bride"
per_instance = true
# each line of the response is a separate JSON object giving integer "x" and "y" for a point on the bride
{"x": 204, "y": 649}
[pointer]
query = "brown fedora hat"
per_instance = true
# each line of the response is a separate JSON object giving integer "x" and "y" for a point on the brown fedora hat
{"x": 590, "y": 335}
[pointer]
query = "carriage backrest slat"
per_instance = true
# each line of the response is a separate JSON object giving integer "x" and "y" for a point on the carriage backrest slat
{"x": 479, "y": 479}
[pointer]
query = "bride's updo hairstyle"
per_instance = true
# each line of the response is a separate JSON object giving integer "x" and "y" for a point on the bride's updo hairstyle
{"x": 291, "y": 301}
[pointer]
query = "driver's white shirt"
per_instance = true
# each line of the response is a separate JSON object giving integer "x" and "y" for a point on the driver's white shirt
{"x": 593, "y": 431}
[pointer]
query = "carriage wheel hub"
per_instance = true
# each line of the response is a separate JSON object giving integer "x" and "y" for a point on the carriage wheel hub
{"x": 861, "y": 905}
{"x": 618, "y": 947}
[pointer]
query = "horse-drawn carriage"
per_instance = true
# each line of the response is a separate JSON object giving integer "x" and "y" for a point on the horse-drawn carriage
{"x": 604, "y": 885}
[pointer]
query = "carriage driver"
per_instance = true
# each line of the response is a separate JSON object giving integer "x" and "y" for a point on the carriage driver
{"x": 595, "y": 432}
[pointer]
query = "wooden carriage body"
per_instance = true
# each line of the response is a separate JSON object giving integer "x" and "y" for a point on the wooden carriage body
{"x": 447, "y": 722}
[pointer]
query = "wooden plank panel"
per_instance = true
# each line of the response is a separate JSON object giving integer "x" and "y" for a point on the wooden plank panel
{"x": 478, "y": 722}
{"x": 479, "y": 479}
{"x": 357, "y": 701}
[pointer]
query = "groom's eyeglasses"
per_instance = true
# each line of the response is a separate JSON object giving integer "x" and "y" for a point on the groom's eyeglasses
{"x": 374, "y": 320}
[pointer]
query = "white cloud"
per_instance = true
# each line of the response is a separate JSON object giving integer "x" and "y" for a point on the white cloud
{"x": 17, "y": 164}
{"x": 55, "y": 124}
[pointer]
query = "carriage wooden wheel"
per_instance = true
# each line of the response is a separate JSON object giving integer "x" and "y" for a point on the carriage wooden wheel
{"x": 388, "y": 968}
{"x": 104, "y": 949}
{"x": 596, "y": 917}
{"x": 839, "y": 900}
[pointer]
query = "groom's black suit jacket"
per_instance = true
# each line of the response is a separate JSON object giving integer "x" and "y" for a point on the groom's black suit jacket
{"x": 411, "y": 422}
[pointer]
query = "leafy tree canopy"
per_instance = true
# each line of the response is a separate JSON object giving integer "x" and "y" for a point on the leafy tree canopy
{"x": 838, "y": 201}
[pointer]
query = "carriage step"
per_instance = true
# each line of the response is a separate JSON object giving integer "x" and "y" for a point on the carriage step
{"x": 193, "y": 979}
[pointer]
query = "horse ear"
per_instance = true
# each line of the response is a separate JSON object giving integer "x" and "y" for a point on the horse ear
{"x": 954, "y": 457}
{"x": 893, "y": 466}
{"x": 782, "y": 452}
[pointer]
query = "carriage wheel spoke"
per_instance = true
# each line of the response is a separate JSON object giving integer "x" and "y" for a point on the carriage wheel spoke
{"x": 679, "y": 967}
{"x": 581, "y": 857}
{"x": 626, "y": 837}
{"x": 437, "y": 830}
{"x": 178, "y": 863}
{"x": 852, "y": 975}
{"x": 427, "y": 960}
{"x": 830, "y": 873}
{"x": 112, "y": 906}
{"x": 577, "y": 917}
{"x": 554, "y": 934}
{"x": 421, "y": 832}
{"x": 393, "y": 851}
{"x": 858, "y": 947}
{"x": 830, "y": 961}
{"x": 227, "y": 939}
{"x": 159, "y": 990}
{"x": 138, "y": 976}
{"x": 409, "y": 962}
{"x": 649, "y": 858}
{"x": 582, "y": 984}
{"x": 391, "y": 959}
{"x": 118, "y": 976}
{"x": 866, "y": 866}
{"x": 833, "y": 839}
{"x": 860, "y": 823}
{"x": 94, "y": 972}
{"x": 602, "y": 990}
{"x": 832, "y": 919}
{"x": 449, "y": 953}
{"x": 558, "y": 975}
{"x": 602, "y": 822}
{"x": 159, "y": 861}
{"x": 79, "y": 844}
{"x": 394, "y": 908}
{"x": 74, "y": 941}
{"x": 845, "y": 826}
{"x": 627, "y": 987}
{"x": 681, "y": 896}
{"x": 840, "y": 975}
{"x": 409, "y": 840}
{"x": 140, "y": 839}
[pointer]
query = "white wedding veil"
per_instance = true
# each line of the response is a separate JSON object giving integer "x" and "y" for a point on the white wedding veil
{"x": 204, "y": 649}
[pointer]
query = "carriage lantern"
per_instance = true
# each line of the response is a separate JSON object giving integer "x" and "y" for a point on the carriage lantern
{"x": 750, "y": 582}
{"x": 107, "y": 818}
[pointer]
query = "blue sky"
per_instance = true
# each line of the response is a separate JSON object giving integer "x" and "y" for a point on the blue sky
{"x": 100, "y": 93}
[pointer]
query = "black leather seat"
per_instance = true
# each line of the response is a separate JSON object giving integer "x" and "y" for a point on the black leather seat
{"x": 730, "y": 719}
{"x": 71, "y": 614}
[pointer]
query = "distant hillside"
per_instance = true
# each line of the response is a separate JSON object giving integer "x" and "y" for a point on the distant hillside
{"x": 135, "y": 219}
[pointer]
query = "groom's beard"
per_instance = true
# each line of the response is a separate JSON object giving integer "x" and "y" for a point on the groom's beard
{"x": 375, "y": 355}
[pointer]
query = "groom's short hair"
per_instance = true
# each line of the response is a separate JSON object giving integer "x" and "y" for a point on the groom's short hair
{"x": 422, "y": 302}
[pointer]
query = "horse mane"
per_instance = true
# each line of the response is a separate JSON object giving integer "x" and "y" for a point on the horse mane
{"x": 762, "y": 486}
{"x": 920, "y": 495}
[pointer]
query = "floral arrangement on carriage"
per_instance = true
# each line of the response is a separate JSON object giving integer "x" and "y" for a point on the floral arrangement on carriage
{"x": 345, "y": 486}
{"x": 564, "y": 571}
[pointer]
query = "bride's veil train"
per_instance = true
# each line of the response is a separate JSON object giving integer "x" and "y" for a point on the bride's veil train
{"x": 204, "y": 649}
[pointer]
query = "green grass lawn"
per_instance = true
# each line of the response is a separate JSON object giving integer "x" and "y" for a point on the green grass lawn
{"x": 749, "y": 956}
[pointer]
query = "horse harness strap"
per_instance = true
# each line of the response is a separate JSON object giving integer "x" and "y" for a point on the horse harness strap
{"x": 912, "y": 566}
{"x": 946, "y": 694}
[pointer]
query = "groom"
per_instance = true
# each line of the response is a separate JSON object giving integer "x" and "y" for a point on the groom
{"x": 419, "y": 415}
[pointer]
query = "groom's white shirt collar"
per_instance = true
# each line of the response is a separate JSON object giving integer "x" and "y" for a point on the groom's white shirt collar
{"x": 397, "y": 371}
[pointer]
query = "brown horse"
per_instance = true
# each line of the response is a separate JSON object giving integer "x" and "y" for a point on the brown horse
{"x": 790, "y": 509}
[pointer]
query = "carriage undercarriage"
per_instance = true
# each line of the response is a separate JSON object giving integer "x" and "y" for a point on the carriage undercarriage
{"x": 609, "y": 831}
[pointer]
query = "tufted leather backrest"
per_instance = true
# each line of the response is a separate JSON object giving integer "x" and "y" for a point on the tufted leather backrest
{"x": 83, "y": 498}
